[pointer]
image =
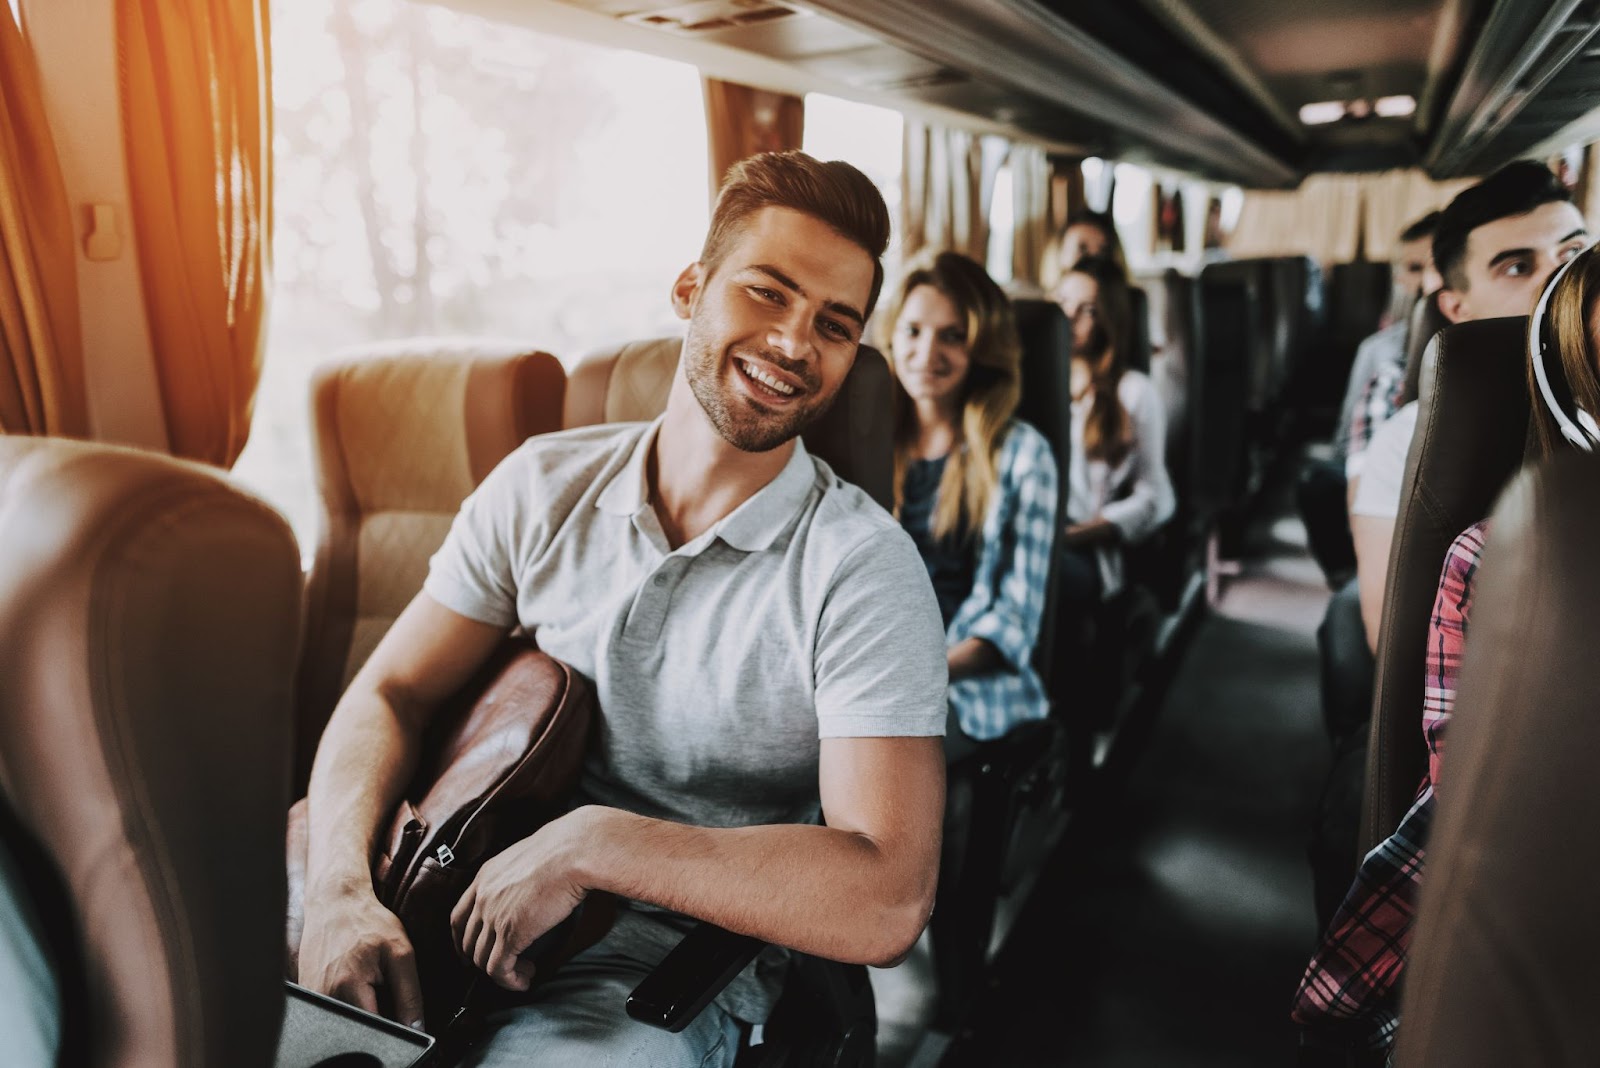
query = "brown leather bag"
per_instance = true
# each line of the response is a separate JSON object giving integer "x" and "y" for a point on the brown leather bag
{"x": 499, "y": 764}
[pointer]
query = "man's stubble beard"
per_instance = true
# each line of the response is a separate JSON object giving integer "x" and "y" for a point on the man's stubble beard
{"x": 739, "y": 424}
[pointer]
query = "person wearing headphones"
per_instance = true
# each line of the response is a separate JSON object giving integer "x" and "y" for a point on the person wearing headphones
{"x": 1353, "y": 979}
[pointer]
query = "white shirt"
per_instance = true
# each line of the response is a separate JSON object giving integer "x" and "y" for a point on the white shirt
{"x": 1135, "y": 495}
{"x": 1384, "y": 471}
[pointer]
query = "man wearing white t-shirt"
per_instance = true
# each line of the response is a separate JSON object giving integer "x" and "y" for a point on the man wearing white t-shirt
{"x": 765, "y": 647}
{"x": 1495, "y": 246}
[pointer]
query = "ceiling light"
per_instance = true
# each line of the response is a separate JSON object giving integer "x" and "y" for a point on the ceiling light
{"x": 1396, "y": 107}
{"x": 1323, "y": 113}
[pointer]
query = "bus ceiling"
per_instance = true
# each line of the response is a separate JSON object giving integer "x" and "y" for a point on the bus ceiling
{"x": 1256, "y": 92}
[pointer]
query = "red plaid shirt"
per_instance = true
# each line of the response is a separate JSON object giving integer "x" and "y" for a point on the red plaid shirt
{"x": 1352, "y": 978}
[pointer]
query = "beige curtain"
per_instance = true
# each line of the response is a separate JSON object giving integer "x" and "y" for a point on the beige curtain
{"x": 1322, "y": 219}
{"x": 1396, "y": 199}
{"x": 742, "y": 121}
{"x": 1033, "y": 228}
{"x": 1589, "y": 187}
{"x": 945, "y": 190}
{"x": 196, "y": 117}
{"x": 1335, "y": 217}
{"x": 1068, "y": 196}
{"x": 41, "y": 347}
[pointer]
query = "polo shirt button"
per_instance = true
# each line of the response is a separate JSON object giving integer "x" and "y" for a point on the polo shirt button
{"x": 660, "y": 580}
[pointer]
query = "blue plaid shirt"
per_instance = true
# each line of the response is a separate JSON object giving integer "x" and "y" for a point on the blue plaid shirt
{"x": 1007, "y": 599}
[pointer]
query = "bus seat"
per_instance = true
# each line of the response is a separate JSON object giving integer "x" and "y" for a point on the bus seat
{"x": 151, "y": 618}
{"x": 1297, "y": 284}
{"x": 402, "y": 433}
{"x": 1502, "y": 963}
{"x": 1046, "y": 405}
{"x": 1219, "y": 383}
{"x": 1171, "y": 370}
{"x": 1471, "y": 431}
{"x": 1426, "y": 321}
{"x": 630, "y": 383}
{"x": 1139, "y": 306}
{"x": 1016, "y": 785}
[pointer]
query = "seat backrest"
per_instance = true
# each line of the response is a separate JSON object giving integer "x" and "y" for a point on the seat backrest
{"x": 1472, "y": 425}
{"x": 631, "y": 382}
{"x": 1501, "y": 967}
{"x": 1426, "y": 321}
{"x": 1219, "y": 384}
{"x": 402, "y": 433}
{"x": 1171, "y": 370}
{"x": 1139, "y": 333}
{"x": 149, "y": 624}
{"x": 1046, "y": 404}
{"x": 1297, "y": 312}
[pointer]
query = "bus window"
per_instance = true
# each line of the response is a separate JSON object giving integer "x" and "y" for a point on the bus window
{"x": 441, "y": 174}
{"x": 1002, "y": 225}
{"x": 873, "y": 139}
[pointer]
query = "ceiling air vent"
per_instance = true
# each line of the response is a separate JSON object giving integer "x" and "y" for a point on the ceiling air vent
{"x": 706, "y": 16}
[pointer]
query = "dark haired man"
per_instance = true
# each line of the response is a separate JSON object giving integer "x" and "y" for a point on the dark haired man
{"x": 1495, "y": 245}
{"x": 764, "y": 645}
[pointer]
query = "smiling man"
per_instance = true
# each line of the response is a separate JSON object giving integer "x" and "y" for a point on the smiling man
{"x": 764, "y": 644}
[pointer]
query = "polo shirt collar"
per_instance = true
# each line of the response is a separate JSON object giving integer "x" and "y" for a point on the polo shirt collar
{"x": 751, "y": 527}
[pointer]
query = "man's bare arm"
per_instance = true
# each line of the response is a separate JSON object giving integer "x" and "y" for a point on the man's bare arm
{"x": 351, "y": 944}
{"x": 1373, "y": 536}
{"x": 858, "y": 890}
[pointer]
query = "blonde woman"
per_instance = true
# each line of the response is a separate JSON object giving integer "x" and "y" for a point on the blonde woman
{"x": 974, "y": 487}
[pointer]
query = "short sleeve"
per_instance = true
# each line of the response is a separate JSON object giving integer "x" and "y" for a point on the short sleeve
{"x": 1383, "y": 473}
{"x": 880, "y": 653}
{"x": 473, "y": 573}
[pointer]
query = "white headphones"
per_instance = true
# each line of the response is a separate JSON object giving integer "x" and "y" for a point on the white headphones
{"x": 1577, "y": 425}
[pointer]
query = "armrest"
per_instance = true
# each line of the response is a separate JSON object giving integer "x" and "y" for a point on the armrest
{"x": 694, "y": 973}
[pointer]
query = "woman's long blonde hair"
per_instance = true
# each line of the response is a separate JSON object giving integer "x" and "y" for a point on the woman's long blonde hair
{"x": 990, "y": 393}
{"x": 1572, "y": 303}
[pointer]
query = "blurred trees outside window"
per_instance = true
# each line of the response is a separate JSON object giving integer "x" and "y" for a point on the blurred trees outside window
{"x": 441, "y": 174}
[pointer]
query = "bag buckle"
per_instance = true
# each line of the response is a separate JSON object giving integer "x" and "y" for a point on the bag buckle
{"x": 444, "y": 855}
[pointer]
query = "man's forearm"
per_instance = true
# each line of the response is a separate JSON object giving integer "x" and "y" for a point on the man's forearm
{"x": 819, "y": 890}
{"x": 362, "y": 765}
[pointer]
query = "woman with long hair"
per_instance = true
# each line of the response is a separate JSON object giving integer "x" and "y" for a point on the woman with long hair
{"x": 1091, "y": 235}
{"x": 1351, "y": 982}
{"x": 1118, "y": 489}
{"x": 974, "y": 487}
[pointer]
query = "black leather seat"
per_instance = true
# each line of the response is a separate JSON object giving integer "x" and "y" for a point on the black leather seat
{"x": 1502, "y": 963}
{"x": 1139, "y": 348}
{"x": 1017, "y": 783}
{"x": 149, "y": 623}
{"x": 1219, "y": 389}
{"x": 1299, "y": 313}
{"x": 1426, "y": 322}
{"x": 1358, "y": 293}
{"x": 1472, "y": 430}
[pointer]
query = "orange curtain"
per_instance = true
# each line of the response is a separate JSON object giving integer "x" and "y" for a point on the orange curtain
{"x": 196, "y": 118}
{"x": 41, "y": 344}
{"x": 742, "y": 121}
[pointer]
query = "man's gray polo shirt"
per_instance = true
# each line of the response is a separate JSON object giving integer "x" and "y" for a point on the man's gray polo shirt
{"x": 805, "y": 613}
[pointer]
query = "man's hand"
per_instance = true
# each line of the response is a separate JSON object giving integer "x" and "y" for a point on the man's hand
{"x": 518, "y": 896}
{"x": 352, "y": 946}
